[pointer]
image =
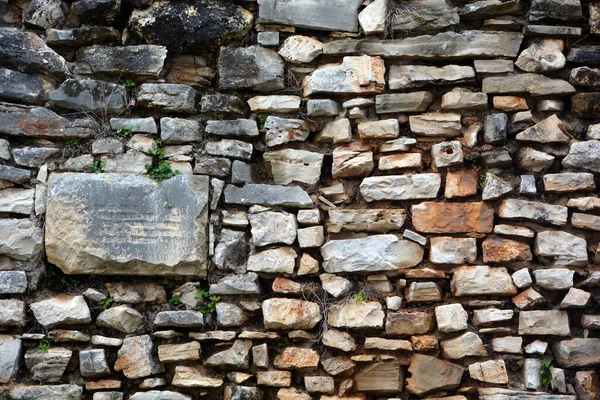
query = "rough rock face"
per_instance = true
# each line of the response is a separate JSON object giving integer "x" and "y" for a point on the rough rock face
{"x": 429, "y": 374}
{"x": 189, "y": 25}
{"x": 290, "y": 314}
{"x": 86, "y": 207}
{"x": 254, "y": 68}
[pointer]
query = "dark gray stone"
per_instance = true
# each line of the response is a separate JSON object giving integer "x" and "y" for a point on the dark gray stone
{"x": 179, "y": 130}
{"x": 39, "y": 122}
{"x": 233, "y": 128}
{"x": 495, "y": 129}
{"x": 330, "y": 15}
{"x": 586, "y": 105}
{"x": 122, "y": 62}
{"x": 134, "y": 226}
{"x": 92, "y": 363}
{"x": 242, "y": 172}
{"x": 587, "y": 55}
{"x": 45, "y": 14}
{"x": 26, "y": 52}
{"x": 253, "y": 67}
{"x": 552, "y": 31}
{"x": 555, "y": 9}
{"x": 13, "y": 282}
{"x": 49, "y": 392}
{"x": 33, "y": 156}
{"x": 585, "y": 77}
{"x": 171, "y": 24}
{"x": 84, "y": 36}
{"x": 268, "y": 195}
{"x": 167, "y": 97}
{"x": 179, "y": 319}
{"x": 19, "y": 87}
{"x": 219, "y": 104}
{"x": 212, "y": 166}
{"x": 90, "y": 95}
{"x": 15, "y": 175}
{"x": 98, "y": 11}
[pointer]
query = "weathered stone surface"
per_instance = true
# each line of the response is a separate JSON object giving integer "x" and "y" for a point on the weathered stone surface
{"x": 300, "y": 49}
{"x": 371, "y": 254}
{"x": 90, "y": 95}
{"x": 273, "y": 227}
{"x": 492, "y": 371}
{"x": 280, "y": 260}
{"x": 435, "y": 124}
{"x": 501, "y": 250}
{"x": 279, "y": 313}
{"x": 267, "y": 195}
{"x": 33, "y": 156}
{"x": 289, "y": 165}
{"x": 97, "y": 11}
{"x": 465, "y": 345}
{"x": 406, "y": 323}
{"x": 584, "y": 55}
{"x": 160, "y": 395}
{"x": 46, "y": 392}
{"x": 339, "y": 131}
{"x": 355, "y": 75}
{"x": 179, "y": 319}
{"x": 429, "y": 374}
{"x": 534, "y": 84}
{"x": 17, "y": 201}
{"x": 174, "y": 26}
{"x": 61, "y": 310}
{"x": 371, "y": 220}
{"x": 106, "y": 200}
{"x": 448, "y": 250}
{"x": 339, "y": 340}
{"x": 13, "y": 282}
{"x": 451, "y": 318}
{"x": 423, "y": 292}
{"x": 19, "y": 87}
{"x": 413, "y": 76}
{"x": 254, "y": 68}
{"x": 136, "y": 359}
{"x": 433, "y": 217}
{"x": 353, "y": 160}
{"x": 92, "y": 363}
{"x": 508, "y": 344}
{"x": 194, "y": 377}
{"x": 542, "y": 56}
{"x": 24, "y": 239}
{"x": 403, "y": 102}
{"x": 44, "y": 14}
{"x": 382, "y": 129}
{"x": 533, "y": 160}
{"x": 401, "y": 187}
{"x": 230, "y": 148}
{"x": 237, "y": 356}
{"x": 39, "y": 122}
{"x": 549, "y": 322}
{"x": 447, "y": 154}
{"x": 443, "y": 46}
{"x": 354, "y": 314}
{"x": 515, "y": 209}
{"x": 569, "y": 182}
{"x": 83, "y": 36}
{"x": 126, "y": 61}
{"x": 297, "y": 358}
{"x": 382, "y": 377}
{"x": 465, "y": 101}
{"x": 561, "y": 248}
{"x": 554, "y": 278}
{"x": 284, "y": 130}
{"x": 550, "y": 130}
{"x": 237, "y": 284}
{"x": 554, "y": 9}
{"x": 168, "y": 353}
{"x": 585, "y": 77}
{"x": 336, "y": 15}
{"x": 275, "y": 104}
{"x": 167, "y": 97}
{"x": 482, "y": 280}
{"x": 26, "y": 52}
{"x": 583, "y": 155}
{"x": 131, "y": 293}
{"x": 122, "y": 318}
{"x": 12, "y": 313}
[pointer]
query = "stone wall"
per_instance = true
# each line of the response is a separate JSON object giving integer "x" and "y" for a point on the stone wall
{"x": 294, "y": 200}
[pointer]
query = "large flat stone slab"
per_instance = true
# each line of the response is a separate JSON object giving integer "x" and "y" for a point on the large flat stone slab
{"x": 268, "y": 195}
{"x": 127, "y": 225}
{"x": 330, "y": 15}
{"x": 443, "y": 46}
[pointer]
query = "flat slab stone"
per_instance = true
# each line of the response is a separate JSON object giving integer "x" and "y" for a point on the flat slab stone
{"x": 430, "y": 374}
{"x": 534, "y": 84}
{"x": 508, "y": 394}
{"x": 132, "y": 61}
{"x": 443, "y": 46}
{"x": 331, "y": 15}
{"x": 127, "y": 225}
{"x": 400, "y": 187}
{"x": 370, "y": 254}
{"x": 577, "y": 353}
{"x": 252, "y": 67}
{"x": 268, "y": 195}
{"x": 437, "y": 217}
{"x": 414, "y": 76}
{"x": 46, "y": 392}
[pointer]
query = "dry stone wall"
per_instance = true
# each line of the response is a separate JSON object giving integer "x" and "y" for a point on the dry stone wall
{"x": 295, "y": 200}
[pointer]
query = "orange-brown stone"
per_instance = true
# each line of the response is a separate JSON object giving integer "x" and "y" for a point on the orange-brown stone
{"x": 461, "y": 184}
{"x": 471, "y": 217}
{"x": 498, "y": 250}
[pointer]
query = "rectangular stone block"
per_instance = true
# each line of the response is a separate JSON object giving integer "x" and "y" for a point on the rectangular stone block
{"x": 127, "y": 225}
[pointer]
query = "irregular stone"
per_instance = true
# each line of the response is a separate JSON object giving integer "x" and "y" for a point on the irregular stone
{"x": 273, "y": 227}
{"x": 550, "y": 130}
{"x": 253, "y": 68}
{"x": 168, "y": 353}
{"x": 24, "y": 241}
{"x": 482, "y": 280}
{"x": 423, "y": 292}
{"x": 296, "y": 358}
{"x": 23, "y": 88}
{"x": 547, "y": 322}
{"x": 90, "y": 95}
{"x": 542, "y": 55}
{"x": 219, "y": 104}
{"x": 448, "y": 250}
{"x": 494, "y": 66}
{"x": 284, "y": 130}
{"x": 41, "y": 123}
{"x": 279, "y": 313}
{"x": 339, "y": 340}
{"x": 13, "y": 282}
{"x": 311, "y": 237}
{"x": 382, "y": 129}
{"x": 167, "y": 97}
{"x": 179, "y": 319}
{"x": 300, "y": 49}
{"x": 443, "y": 46}
{"x": 569, "y": 182}
{"x": 533, "y": 211}
{"x": 126, "y": 61}
{"x": 12, "y": 313}
{"x": 355, "y": 75}
{"x": 492, "y": 371}
{"x": 92, "y": 363}
{"x": 135, "y": 358}
{"x": 533, "y": 160}
{"x": 429, "y": 374}
{"x": 17, "y": 201}
{"x": 554, "y": 278}
{"x": 534, "y": 84}
{"x": 352, "y": 160}
{"x": 26, "y": 52}
{"x": 461, "y": 184}
{"x": 435, "y": 124}
{"x": 44, "y": 14}
{"x": 61, "y": 310}
{"x": 576, "y": 298}
{"x": 372, "y": 254}
{"x": 508, "y": 344}
{"x": 337, "y": 15}
{"x": 433, "y": 217}
{"x": 401, "y": 161}
{"x": 159, "y": 395}
{"x": 451, "y": 318}
{"x": 466, "y": 345}
{"x": 173, "y": 25}
{"x": 466, "y": 101}
{"x": 586, "y": 385}
{"x": 371, "y": 220}
{"x": 354, "y": 314}
{"x": 83, "y": 36}
{"x": 33, "y": 156}
{"x": 289, "y": 165}
{"x": 495, "y": 129}
{"x": 585, "y": 77}
{"x": 415, "y": 76}
{"x": 140, "y": 258}
{"x": 97, "y": 11}
{"x": 132, "y": 293}
{"x": 194, "y": 377}
{"x": 275, "y": 104}
{"x": 501, "y": 250}
{"x": 400, "y": 187}
{"x": 406, "y": 323}
{"x": 236, "y": 284}
{"x": 553, "y": 9}
{"x": 380, "y": 377}
{"x": 561, "y": 248}
{"x": 447, "y": 154}
{"x": 528, "y": 299}
{"x": 279, "y": 260}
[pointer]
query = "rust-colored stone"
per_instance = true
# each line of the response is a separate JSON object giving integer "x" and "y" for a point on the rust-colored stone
{"x": 498, "y": 250}
{"x": 461, "y": 184}
{"x": 470, "y": 217}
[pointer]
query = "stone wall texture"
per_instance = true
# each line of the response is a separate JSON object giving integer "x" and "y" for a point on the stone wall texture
{"x": 299, "y": 199}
